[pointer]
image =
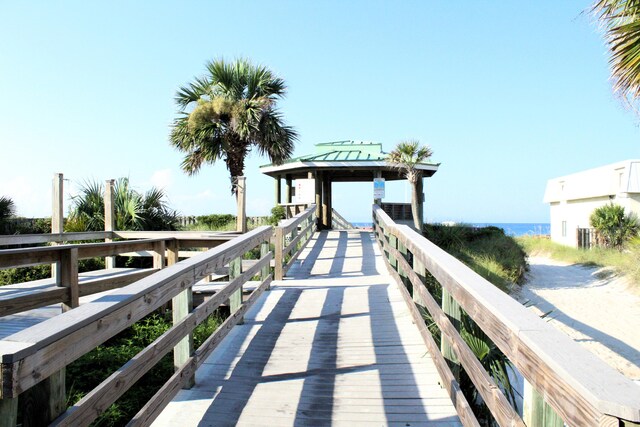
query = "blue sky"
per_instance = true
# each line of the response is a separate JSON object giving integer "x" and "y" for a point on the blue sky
{"x": 508, "y": 95}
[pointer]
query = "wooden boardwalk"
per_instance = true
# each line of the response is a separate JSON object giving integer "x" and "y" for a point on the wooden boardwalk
{"x": 332, "y": 344}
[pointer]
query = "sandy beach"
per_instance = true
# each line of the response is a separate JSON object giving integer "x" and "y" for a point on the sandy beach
{"x": 599, "y": 312}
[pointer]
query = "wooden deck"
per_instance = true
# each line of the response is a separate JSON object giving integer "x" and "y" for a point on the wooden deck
{"x": 333, "y": 343}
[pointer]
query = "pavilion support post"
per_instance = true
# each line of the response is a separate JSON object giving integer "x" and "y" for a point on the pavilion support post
{"x": 109, "y": 218}
{"x": 289, "y": 189}
{"x": 377, "y": 174}
{"x": 241, "y": 224}
{"x": 278, "y": 190}
{"x": 318, "y": 200}
{"x": 326, "y": 201}
{"x": 329, "y": 204}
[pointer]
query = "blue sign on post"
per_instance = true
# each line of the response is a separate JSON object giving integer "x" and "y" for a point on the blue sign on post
{"x": 378, "y": 188}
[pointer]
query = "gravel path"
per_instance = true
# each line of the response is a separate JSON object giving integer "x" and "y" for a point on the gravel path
{"x": 600, "y": 313}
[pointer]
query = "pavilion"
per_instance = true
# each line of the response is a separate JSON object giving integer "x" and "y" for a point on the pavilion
{"x": 340, "y": 161}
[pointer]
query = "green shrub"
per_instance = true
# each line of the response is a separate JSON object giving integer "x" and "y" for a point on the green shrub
{"x": 487, "y": 250}
{"x": 615, "y": 227}
{"x": 90, "y": 370}
{"x": 277, "y": 213}
{"x": 216, "y": 221}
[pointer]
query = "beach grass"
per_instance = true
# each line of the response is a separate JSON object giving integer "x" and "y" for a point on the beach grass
{"x": 625, "y": 262}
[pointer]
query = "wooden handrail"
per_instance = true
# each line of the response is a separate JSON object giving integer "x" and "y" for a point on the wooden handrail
{"x": 33, "y": 239}
{"x": 581, "y": 388}
{"x": 289, "y": 228}
{"x": 33, "y": 354}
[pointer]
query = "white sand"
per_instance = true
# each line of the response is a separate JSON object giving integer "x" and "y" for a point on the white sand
{"x": 602, "y": 314}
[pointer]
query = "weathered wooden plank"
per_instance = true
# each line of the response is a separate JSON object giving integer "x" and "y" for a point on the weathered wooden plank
{"x": 33, "y": 239}
{"x": 590, "y": 385}
{"x": 56, "y": 343}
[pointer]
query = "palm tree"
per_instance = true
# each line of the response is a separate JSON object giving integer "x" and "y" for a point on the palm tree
{"x": 7, "y": 210}
{"x": 621, "y": 19}
{"x": 133, "y": 211}
{"x": 406, "y": 157}
{"x": 229, "y": 112}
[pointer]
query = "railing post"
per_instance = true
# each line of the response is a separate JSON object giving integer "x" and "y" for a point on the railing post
{"x": 241, "y": 221}
{"x": 8, "y": 412}
{"x": 159, "y": 254}
{"x": 68, "y": 277}
{"x": 235, "y": 300}
{"x": 109, "y": 218}
{"x": 537, "y": 412}
{"x": 403, "y": 275}
{"x": 279, "y": 242}
{"x": 57, "y": 214}
{"x": 418, "y": 267}
{"x": 452, "y": 310}
{"x": 393, "y": 242}
{"x": 264, "y": 250}
{"x": 181, "y": 306}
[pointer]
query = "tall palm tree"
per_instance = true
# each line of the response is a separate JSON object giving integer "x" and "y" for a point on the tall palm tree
{"x": 229, "y": 112}
{"x": 406, "y": 157}
{"x": 621, "y": 19}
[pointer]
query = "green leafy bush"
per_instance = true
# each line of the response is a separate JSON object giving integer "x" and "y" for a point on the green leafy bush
{"x": 614, "y": 226}
{"x": 216, "y": 221}
{"x": 487, "y": 250}
{"x": 90, "y": 370}
{"x": 277, "y": 213}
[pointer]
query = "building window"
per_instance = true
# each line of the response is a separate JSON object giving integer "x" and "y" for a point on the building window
{"x": 564, "y": 228}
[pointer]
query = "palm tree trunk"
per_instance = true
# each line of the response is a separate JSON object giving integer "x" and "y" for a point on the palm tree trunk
{"x": 417, "y": 217}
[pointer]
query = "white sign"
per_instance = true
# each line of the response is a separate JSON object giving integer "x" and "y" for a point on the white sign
{"x": 305, "y": 191}
{"x": 378, "y": 188}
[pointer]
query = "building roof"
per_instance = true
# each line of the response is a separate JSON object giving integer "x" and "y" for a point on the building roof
{"x": 611, "y": 180}
{"x": 346, "y": 161}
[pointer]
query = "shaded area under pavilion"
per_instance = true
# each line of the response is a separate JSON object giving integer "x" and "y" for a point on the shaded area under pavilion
{"x": 340, "y": 161}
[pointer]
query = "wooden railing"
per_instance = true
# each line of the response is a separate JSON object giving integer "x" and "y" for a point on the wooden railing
{"x": 66, "y": 287}
{"x": 38, "y": 352}
{"x": 562, "y": 377}
{"x": 339, "y": 223}
{"x": 291, "y": 236}
{"x": 36, "y": 357}
{"x": 293, "y": 209}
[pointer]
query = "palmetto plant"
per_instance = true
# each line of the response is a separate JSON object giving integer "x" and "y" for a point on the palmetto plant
{"x": 614, "y": 225}
{"x": 229, "y": 112}
{"x": 133, "y": 210}
{"x": 621, "y": 19}
{"x": 7, "y": 208}
{"x": 406, "y": 157}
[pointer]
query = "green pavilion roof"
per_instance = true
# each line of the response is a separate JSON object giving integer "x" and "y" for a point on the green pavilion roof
{"x": 345, "y": 160}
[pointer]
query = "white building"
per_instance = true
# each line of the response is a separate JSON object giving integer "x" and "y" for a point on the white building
{"x": 573, "y": 198}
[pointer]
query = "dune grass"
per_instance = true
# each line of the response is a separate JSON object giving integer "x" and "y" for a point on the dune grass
{"x": 625, "y": 262}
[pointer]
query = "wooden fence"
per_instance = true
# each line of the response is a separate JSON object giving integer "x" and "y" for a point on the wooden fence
{"x": 34, "y": 359}
{"x": 565, "y": 383}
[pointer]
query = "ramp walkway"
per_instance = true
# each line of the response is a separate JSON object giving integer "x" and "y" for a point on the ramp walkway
{"x": 332, "y": 344}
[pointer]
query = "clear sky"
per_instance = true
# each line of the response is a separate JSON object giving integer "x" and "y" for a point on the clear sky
{"x": 508, "y": 95}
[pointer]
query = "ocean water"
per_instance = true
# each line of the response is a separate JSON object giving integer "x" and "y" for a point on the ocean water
{"x": 514, "y": 229}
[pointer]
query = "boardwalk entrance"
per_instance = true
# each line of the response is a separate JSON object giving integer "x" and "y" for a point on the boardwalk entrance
{"x": 333, "y": 343}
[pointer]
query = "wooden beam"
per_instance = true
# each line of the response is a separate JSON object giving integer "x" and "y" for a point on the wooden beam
{"x": 57, "y": 213}
{"x": 288, "y": 189}
{"x": 235, "y": 300}
{"x": 109, "y": 218}
{"x": 241, "y": 219}
{"x": 278, "y": 188}
{"x": 318, "y": 200}
{"x": 68, "y": 277}
{"x": 451, "y": 308}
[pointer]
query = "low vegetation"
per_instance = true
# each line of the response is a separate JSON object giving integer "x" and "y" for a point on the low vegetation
{"x": 498, "y": 258}
{"x": 626, "y": 262}
{"x": 487, "y": 250}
